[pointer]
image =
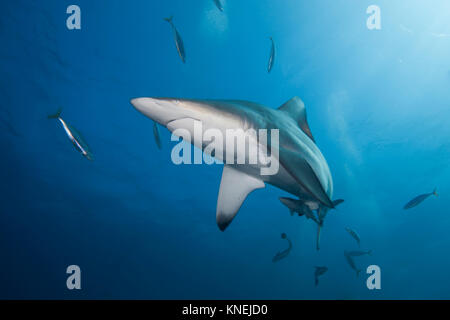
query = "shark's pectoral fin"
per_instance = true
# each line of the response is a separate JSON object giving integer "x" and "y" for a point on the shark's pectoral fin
{"x": 234, "y": 188}
{"x": 296, "y": 109}
{"x": 302, "y": 172}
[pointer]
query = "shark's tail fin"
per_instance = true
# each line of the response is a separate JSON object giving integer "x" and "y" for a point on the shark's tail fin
{"x": 357, "y": 273}
{"x": 56, "y": 115}
{"x": 435, "y": 192}
{"x": 169, "y": 19}
{"x": 369, "y": 252}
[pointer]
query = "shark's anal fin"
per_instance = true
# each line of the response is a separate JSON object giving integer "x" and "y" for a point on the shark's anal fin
{"x": 234, "y": 188}
{"x": 296, "y": 109}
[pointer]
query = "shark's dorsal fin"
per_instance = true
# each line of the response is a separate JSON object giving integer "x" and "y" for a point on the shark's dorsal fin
{"x": 234, "y": 188}
{"x": 296, "y": 109}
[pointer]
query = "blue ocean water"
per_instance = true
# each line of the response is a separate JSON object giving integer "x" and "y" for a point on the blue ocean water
{"x": 141, "y": 227}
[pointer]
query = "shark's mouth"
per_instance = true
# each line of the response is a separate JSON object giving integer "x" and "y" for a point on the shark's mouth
{"x": 172, "y": 122}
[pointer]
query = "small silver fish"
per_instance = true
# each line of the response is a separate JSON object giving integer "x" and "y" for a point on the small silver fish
{"x": 283, "y": 254}
{"x": 419, "y": 199}
{"x": 272, "y": 56}
{"x": 358, "y": 253}
{"x": 74, "y": 136}
{"x": 353, "y": 234}
{"x": 351, "y": 262}
{"x": 218, "y": 4}
{"x": 178, "y": 40}
{"x": 319, "y": 271}
{"x": 156, "y": 135}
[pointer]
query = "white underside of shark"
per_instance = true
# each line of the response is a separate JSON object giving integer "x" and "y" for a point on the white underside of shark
{"x": 303, "y": 171}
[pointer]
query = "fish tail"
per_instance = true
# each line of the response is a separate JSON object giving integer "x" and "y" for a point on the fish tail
{"x": 169, "y": 19}
{"x": 435, "y": 192}
{"x": 56, "y": 115}
{"x": 369, "y": 252}
{"x": 357, "y": 273}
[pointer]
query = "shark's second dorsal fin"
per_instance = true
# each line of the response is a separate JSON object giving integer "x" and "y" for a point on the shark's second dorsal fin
{"x": 234, "y": 188}
{"x": 296, "y": 109}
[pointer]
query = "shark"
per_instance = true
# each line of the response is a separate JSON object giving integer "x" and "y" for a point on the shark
{"x": 302, "y": 168}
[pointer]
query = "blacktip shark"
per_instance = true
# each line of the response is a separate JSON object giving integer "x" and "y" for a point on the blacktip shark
{"x": 302, "y": 169}
{"x": 78, "y": 142}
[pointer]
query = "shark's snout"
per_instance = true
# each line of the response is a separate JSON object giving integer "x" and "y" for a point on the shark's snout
{"x": 158, "y": 109}
{"x": 139, "y": 103}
